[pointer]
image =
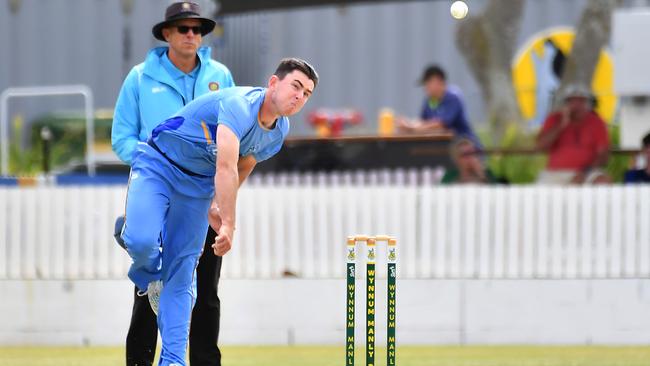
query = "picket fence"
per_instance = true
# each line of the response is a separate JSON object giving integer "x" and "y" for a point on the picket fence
{"x": 296, "y": 225}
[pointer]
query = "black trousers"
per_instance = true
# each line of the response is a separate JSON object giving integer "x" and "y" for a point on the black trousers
{"x": 204, "y": 328}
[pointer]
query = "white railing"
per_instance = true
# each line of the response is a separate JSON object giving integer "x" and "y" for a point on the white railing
{"x": 298, "y": 225}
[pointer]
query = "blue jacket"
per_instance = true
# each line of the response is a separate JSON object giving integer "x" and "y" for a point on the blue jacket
{"x": 149, "y": 95}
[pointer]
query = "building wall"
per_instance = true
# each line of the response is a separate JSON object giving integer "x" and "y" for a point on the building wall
{"x": 368, "y": 56}
{"x": 372, "y": 56}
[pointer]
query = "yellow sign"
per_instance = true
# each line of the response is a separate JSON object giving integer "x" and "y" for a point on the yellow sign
{"x": 536, "y": 75}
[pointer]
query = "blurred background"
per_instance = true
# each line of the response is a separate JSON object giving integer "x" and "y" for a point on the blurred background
{"x": 370, "y": 55}
{"x": 516, "y": 263}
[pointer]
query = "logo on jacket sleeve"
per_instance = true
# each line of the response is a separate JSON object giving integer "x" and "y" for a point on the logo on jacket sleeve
{"x": 158, "y": 89}
{"x": 213, "y": 86}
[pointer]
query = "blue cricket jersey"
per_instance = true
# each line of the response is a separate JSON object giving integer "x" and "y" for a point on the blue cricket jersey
{"x": 188, "y": 139}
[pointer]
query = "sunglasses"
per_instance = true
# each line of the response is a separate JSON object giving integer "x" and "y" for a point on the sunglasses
{"x": 183, "y": 29}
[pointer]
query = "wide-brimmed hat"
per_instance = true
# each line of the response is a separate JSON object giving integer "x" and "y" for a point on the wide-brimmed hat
{"x": 182, "y": 10}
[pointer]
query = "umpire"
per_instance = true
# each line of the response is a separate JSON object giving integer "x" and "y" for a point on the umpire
{"x": 170, "y": 77}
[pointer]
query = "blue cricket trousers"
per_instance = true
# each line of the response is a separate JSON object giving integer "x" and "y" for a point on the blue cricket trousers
{"x": 166, "y": 225}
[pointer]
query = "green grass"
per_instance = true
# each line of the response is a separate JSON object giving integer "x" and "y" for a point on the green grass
{"x": 334, "y": 356}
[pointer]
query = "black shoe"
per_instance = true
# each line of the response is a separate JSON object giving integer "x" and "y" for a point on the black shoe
{"x": 117, "y": 234}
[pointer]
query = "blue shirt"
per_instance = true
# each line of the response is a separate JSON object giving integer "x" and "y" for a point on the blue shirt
{"x": 451, "y": 112}
{"x": 189, "y": 138}
{"x": 184, "y": 82}
{"x": 636, "y": 176}
{"x": 155, "y": 90}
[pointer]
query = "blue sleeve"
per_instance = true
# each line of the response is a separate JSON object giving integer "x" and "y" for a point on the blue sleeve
{"x": 225, "y": 76}
{"x": 126, "y": 119}
{"x": 449, "y": 110}
{"x": 423, "y": 113}
{"x": 229, "y": 81}
{"x": 235, "y": 113}
{"x": 630, "y": 176}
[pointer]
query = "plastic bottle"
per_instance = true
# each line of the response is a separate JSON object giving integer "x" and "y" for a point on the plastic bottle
{"x": 386, "y": 122}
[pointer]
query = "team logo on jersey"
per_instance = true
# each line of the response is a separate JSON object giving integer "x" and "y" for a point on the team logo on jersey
{"x": 211, "y": 148}
{"x": 253, "y": 149}
{"x": 213, "y": 86}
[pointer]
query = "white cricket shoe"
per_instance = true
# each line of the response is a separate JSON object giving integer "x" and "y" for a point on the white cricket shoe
{"x": 153, "y": 292}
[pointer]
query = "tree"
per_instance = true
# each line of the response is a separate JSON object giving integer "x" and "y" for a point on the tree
{"x": 488, "y": 41}
{"x": 592, "y": 34}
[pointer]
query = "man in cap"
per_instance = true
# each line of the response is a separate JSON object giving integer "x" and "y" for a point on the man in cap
{"x": 169, "y": 78}
{"x": 442, "y": 109}
{"x": 576, "y": 140}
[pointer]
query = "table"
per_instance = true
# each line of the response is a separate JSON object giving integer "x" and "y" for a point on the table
{"x": 325, "y": 154}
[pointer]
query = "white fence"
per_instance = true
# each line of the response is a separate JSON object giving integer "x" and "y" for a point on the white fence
{"x": 298, "y": 225}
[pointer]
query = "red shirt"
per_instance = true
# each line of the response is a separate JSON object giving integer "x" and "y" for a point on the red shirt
{"x": 577, "y": 146}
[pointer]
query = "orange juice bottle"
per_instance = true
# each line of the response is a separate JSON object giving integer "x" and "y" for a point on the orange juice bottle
{"x": 386, "y": 122}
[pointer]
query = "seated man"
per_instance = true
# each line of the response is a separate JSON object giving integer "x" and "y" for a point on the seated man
{"x": 641, "y": 175}
{"x": 576, "y": 140}
{"x": 442, "y": 109}
{"x": 469, "y": 167}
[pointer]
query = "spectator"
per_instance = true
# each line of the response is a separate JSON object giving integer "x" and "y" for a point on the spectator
{"x": 443, "y": 109}
{"x": 469, "y": 166}
{"x": 641, "y": 175}
{"x": 170, "y": 77}
{"x": 576, "y": 140}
